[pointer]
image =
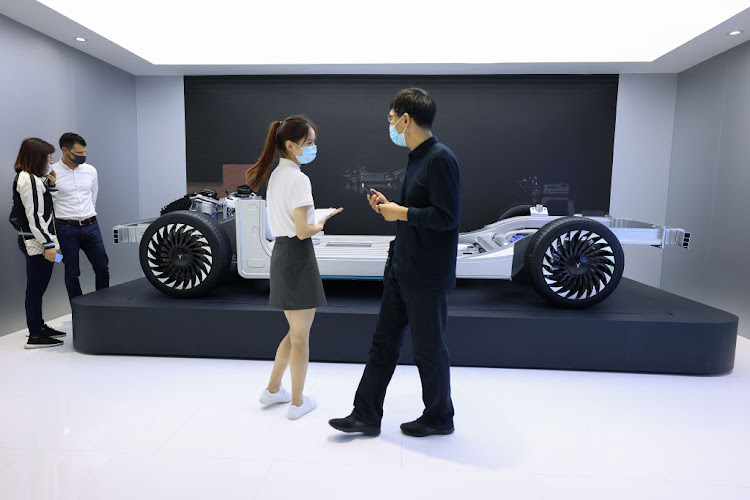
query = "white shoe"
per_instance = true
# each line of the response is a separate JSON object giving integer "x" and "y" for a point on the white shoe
{"x": 272, "y": 398}
{"x": 295, "y": 412}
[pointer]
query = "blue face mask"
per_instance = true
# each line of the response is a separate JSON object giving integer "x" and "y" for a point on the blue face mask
{"x": 308, "y": 154}
{"x": 398, "y": 139}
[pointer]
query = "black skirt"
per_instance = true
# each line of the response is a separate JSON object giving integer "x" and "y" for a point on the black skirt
{"x": 295, "y": 278}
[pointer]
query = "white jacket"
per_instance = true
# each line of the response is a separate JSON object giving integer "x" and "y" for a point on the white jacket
{"x": 36, "y": 197}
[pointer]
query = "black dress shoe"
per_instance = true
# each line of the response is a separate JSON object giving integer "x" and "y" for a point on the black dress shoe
{"x": 353, "y": 424}
{"x": 418, "y": 428}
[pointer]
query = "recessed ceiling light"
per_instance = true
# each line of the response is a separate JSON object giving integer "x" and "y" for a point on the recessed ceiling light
{"x": 80, "y": 39}
{"x": 736, "y": 32}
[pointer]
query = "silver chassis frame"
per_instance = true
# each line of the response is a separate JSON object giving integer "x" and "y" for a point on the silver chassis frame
{"x": 486, "y": 253}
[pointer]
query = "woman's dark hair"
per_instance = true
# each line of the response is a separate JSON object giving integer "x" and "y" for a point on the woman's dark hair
{"x": 32, "y": 157}
{"x": 420, "y": 106}
{"x": 70, "y": 139}
{"x": 293, "y": 128}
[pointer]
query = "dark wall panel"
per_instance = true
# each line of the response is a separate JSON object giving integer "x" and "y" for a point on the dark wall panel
{"x": 517, "y": 138}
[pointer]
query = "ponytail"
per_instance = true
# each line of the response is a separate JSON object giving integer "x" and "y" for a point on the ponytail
{"x": 293, "y": 128}
{"x": 261, "y": 170}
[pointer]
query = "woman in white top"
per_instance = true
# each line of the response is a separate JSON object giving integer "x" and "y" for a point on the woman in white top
{"x": 296, "y": 287}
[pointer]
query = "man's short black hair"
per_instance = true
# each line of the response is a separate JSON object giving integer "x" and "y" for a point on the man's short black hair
{"x": 69, "y": 139}
{"x": 420, "y": 106}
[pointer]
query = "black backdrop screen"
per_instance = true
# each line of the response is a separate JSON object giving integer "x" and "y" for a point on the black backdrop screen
{"x": 517, "y": 138}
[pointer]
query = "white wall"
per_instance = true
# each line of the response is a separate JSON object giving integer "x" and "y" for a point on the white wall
{"x": 641, "y": 162}
{"x": 710, "y": 183}
{"x": 135, "y": 132}
{"x": 161, "y": 142}
{"x": 682, "y": 158}
{"x": 48, "y": 88}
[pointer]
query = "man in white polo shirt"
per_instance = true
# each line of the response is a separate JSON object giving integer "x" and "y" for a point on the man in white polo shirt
{"x": 75, "y": 215}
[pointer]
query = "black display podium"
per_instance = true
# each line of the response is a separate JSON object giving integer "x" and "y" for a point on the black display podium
{"x": 490, "y": 323}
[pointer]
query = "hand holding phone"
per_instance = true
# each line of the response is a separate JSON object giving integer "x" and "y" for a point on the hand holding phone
{"x": 376, "y": 198}
{"x": 49, "y": 254}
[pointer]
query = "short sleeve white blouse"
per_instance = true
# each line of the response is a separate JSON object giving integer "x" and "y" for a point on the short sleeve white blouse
{"x": 288, "y": 188}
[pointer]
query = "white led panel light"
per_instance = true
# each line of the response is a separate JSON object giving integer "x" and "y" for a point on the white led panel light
{"x": 228, "y": 32}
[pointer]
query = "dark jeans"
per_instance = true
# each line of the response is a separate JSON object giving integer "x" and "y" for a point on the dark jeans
{"x": 38, "y": 274}
{"x": 424, "y": 311}
{"x": 88, "y": 238}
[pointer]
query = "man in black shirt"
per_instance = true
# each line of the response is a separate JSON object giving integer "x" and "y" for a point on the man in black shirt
{"x": 422, "y": 271}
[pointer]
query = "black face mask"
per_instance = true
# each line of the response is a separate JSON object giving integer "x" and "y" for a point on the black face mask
{"x": 78, "y": 160}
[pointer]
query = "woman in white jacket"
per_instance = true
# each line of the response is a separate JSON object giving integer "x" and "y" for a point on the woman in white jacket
{"x": 34, "y": 217}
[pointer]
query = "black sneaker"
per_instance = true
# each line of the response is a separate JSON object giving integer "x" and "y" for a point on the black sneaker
{"x": 39, "y": 341}
{"x": 51, "y": 332}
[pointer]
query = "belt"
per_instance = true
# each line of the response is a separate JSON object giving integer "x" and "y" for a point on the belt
{"x": 84, "y": 222}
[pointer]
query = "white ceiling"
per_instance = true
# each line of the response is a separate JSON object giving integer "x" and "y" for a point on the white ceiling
{"x": 322, "y": 37}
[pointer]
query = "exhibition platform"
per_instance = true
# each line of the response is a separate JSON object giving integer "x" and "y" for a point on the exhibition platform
{"x": 491, "y": 323}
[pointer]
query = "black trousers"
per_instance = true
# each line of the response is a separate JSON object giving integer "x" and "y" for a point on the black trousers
{"x": 424, "y": 311}
{"x": 38, "y": 274}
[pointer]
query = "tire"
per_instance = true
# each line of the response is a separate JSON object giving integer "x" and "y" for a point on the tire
{"x": 516, "y": 211}
{"x": 574, "y": 262}
{"x": 184, "y": 254}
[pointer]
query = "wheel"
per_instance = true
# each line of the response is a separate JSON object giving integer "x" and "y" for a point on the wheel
{"x": 515, "y": 211}
{"x": 574, "y": 262}
{"x": 184, "y": 254}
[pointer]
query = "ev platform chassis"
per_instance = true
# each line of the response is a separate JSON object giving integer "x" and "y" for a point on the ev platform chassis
{"x": 572, "y": 261}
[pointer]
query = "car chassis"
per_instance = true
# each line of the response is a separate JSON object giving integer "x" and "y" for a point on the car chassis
{"x": 572, "y": 261}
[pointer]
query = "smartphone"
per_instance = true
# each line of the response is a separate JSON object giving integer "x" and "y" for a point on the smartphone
{"x": 58, "y": 257}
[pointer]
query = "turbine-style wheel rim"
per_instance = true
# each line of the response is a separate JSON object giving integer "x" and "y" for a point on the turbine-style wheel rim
{"x": 578, "y": 264}
{"x": 179, "y": 256}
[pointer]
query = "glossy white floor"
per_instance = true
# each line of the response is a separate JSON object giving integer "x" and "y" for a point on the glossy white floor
{"x": 82, "y": 427}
